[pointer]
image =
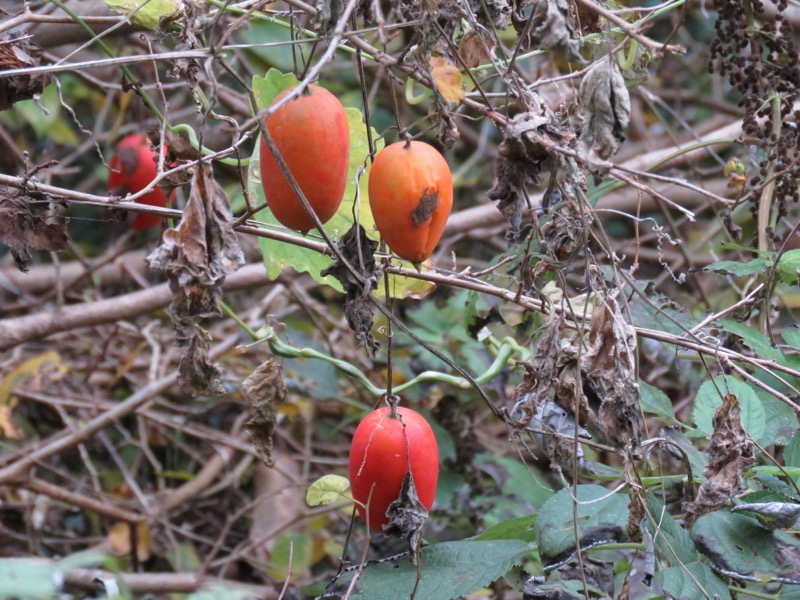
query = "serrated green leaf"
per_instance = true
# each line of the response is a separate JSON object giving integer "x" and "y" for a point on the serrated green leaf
{"x": 601, "y": 517}
{"x": 739, "y": 269}
{"x": 757, "y": 341}
{"x": 708, "y": 400}
{"x": 327, "y": 490}
{"x": 656, "y": 402}
{"x": 737, "y": 543}
{"x": 146, "y": 13}
{"x": 679, "y": 582}
{"x": 449, "y": 570}
{"x": 671, "y": 540}
{"x": 521, "y": 528}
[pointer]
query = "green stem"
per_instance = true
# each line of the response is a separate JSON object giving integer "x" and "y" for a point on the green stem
{"x": 229, "y": 311}
{"x": 129, "y": 77}
{"x": 506, "y": 350}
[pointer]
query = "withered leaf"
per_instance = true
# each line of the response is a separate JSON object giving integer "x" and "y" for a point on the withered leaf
{"x": 610, "y": 365}
{"x": 359, "y": 251}
{"x": 729, "y": 454}
{"x": 265, "y": 390}
{"x": 475, "y": 49}
{"x": 407, "y": 515}
{"x": 196, "y": 373}
{"x": 23, "y": 231}
{"x": 327, "y": 15}
{"x": 198, "y": 255}
{"x": 606, "y": 105}
{"x": 598, "y": 573}
{"x": 447, "y": 79}
{"x": 426, "y": 207}
{"x": 18, "y": 53}
{"x": 524, "y": 154}
{"x": 552, "y": 27}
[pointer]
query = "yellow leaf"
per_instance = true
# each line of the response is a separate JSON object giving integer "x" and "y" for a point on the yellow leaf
{"x": 40, "y": 370}
{"x": 119, "y": 536}
{"x": 447, "y": 78}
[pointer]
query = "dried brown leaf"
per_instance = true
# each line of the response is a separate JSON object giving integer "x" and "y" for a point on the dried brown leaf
{"x": 265, "y": 390}
{"x": 359, "y": 251}
{"x": 551, "y": 27}
{"x": 475, "y": 49}
{"x": 198, "y": 255}
{"x": 19, "y": 53}
{"x": 606, "y": 106}
{"x": 729, "y": 454}
{"x": 196, "y": 373}
{"x": 609, "y": 362}
{"x": 23, "y": 231}
{"x": 407, "y": 515}
{"x": 524, "y": 154}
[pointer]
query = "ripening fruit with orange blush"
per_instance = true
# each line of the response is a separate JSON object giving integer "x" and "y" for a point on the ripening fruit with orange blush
{"x": 381, "y": 453}
{"x": 312, "y": 136}
{"x": 411, "y": 195}
{"x": 133, "y": 168}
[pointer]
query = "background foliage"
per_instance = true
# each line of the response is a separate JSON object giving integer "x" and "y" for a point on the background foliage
{"x": 604, "y": 342}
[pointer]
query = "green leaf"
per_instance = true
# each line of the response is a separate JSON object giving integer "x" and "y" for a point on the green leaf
{"x": 146, "y": 13}
{"x": 671, "y": 540}
{"x": 27, "y": 578}
{"x": 757, "y": 341}
{"x": 791, "y": 335}
{"x": 449, "y": 570}
{"x": 739, "y": 269}
{"x": 521, "y": 528}
{"x": 737, "y": 543}
{"x": 221, "y": 592}
{"x": 601, "y": 517}
{"x": 708, "y": 400}
{"x": 292, "y": 552}
{"x": 327, "y": 490}
{"x": 267, "y": 88}
{"x": 656, "y": 402}
{"x": 780, "y": 422}
{"x": 679, "y": 582}
{"x": 788, "y": 265}
{"x": 791, "y": 454}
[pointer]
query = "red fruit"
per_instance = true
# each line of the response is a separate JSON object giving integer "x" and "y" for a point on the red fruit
{"x": 313, "y": 138}
{"x": 382, "y": 450}
{"x": 133, "y": 168}
{"x": 411, "y": 195}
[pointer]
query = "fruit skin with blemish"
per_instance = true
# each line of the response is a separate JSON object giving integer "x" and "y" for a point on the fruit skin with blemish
{"x": 411, "y": 195}
{"x": 383, "y": 449}
{"x": 312, "y": 135}
{"x": 132, "y": 168}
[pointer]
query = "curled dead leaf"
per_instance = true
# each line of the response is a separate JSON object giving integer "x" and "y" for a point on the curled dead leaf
{"x": 729, "y": 454}
{"x": 359, "y": 251}
{"x": 197, "y": 256}
{"x": 23, "y": 231}
{"x": 265, "y": 390}
{"x": 606, "y": 105}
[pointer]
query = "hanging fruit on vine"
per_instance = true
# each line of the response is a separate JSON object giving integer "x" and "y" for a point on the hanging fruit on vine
{"x": 411, "y": 195}
{"x": 312, "y": 136}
